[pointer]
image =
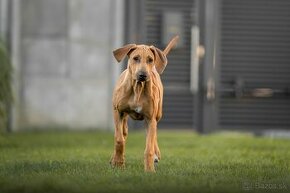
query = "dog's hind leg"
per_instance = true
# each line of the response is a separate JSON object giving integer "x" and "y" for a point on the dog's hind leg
{"x": 157, "y": 155}
{"x": 125, "y": 127}
{"x": 157, "y": 150}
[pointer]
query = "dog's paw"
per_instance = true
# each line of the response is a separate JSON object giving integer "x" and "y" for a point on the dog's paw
{"x": 156, "y": 160}
{"x": 117, "y": 163}
{"x": 157, "y": 154}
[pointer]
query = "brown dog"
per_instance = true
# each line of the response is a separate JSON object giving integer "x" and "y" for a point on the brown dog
{"x": 139, "y": 94}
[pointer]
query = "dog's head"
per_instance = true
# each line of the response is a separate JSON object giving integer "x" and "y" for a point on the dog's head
{"x": 142, "y": 60}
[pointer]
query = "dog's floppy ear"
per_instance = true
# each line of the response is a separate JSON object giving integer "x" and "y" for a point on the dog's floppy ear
{"x": 120, "y": 53}
{"x": 160, "y": 59}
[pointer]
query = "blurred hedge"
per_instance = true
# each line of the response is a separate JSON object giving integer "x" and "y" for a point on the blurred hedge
{"x": 5, "y": 85}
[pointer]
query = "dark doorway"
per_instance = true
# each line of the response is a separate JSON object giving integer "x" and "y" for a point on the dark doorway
{"x": 155, "y": 21}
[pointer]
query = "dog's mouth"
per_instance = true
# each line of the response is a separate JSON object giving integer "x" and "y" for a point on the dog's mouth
{"x": 141, "y": 78}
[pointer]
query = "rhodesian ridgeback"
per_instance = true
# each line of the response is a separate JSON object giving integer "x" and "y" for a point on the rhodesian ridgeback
{"x": 139, "y": 94}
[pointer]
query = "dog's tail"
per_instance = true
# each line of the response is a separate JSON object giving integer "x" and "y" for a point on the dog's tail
{"x": 171, "y": 45}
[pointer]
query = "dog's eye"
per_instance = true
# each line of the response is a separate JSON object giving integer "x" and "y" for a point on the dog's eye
{"x": 136, "y": 59}
{"x": 149, "y": 60}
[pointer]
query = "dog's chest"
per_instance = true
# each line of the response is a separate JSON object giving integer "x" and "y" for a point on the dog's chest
{"x": 136, "y": 112}
{"x": 137, "y": 103}
{"x": 138, "y": 109}
{"x": 137, "y": 106}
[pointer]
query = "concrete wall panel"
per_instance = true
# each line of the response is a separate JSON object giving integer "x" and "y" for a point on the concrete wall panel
{"x": 64, "y": 103}
{"x": 67, "y": 64}
{"x": 45, "y": 57}
{"x": 44, "y": 18}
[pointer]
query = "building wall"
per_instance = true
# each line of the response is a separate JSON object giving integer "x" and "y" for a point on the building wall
{"x": 67, "y": 67}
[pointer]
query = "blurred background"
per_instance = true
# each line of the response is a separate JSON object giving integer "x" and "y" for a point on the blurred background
{"x": 230, "y": 70}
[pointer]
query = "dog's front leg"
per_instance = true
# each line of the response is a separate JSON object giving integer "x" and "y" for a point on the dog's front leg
{"x": 118, "y": 158}
{"x": 150, "y": 145}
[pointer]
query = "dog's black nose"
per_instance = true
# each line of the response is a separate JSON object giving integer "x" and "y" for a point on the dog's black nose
{"x": 141, "y": 76}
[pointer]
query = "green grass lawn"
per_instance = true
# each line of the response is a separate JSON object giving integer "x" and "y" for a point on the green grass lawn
{"x": 79, "y": 162}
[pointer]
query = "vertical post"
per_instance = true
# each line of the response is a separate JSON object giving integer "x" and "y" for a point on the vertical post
{"x": 198, "y": 98}
{"x": 208, "y": 120}
{"x": 15, "y": 55}
{"x": 135, "y": 32}
{"x": 117, "y": 40}
{"x": 3, "y": 19}
{"x": 3, "y": 37}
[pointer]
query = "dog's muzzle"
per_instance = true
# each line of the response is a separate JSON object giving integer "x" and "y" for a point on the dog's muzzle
{"x": 141, "y": 76}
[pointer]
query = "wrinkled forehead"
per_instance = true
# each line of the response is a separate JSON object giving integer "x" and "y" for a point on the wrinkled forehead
{"x": 143, "y": 51}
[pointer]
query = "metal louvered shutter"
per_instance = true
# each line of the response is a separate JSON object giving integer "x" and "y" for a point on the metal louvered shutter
{"x": 255, "y": 46}
{"x": 178, "y": 100}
